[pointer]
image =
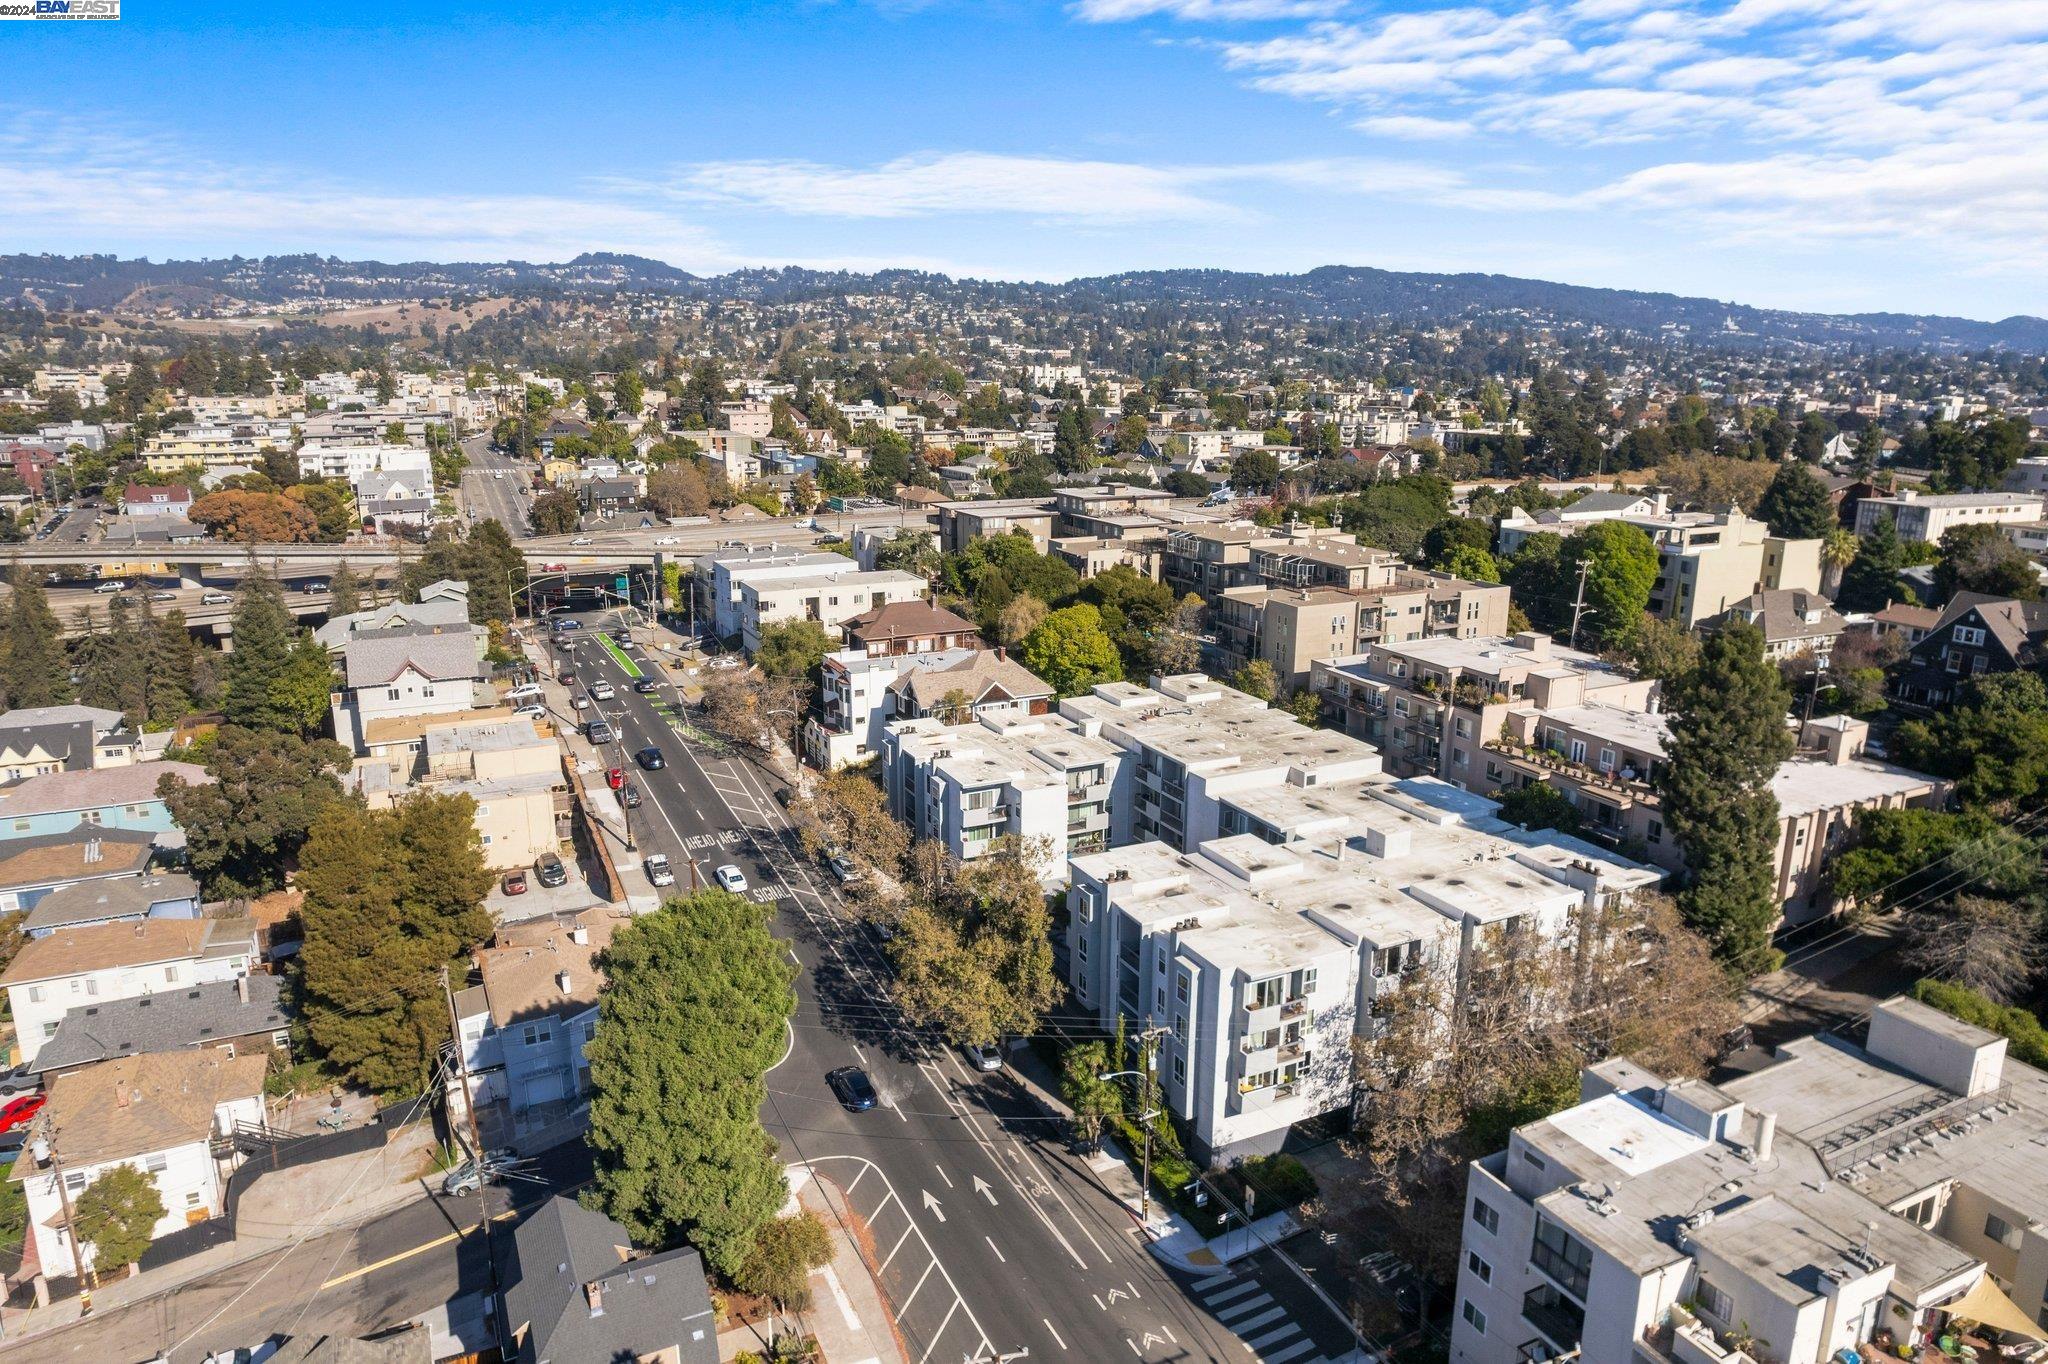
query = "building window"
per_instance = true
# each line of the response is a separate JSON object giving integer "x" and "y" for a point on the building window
{"x": 391, "y": 694}
{"x": 1474, "y": 1318}
{"x": 1655, "y": 833}
{"x": 1180, "y": 1071}
{"x": 1965, "y": 634}
{"x": 1563, "y": 1257}
{"x": 537, "y": 1034}
{"x": 1714, "y": 1302}
{"x": 1180, "y": 987}
{"x": 1485, "y": 1216}
{"x": 1481, "y": 1270}
{"x": 157, "y": 1163}
{"x": 170, "y": 975}
{"x": 1532, "y": 1158}
{"x": 1996, "y": 1228}
{"x": 1921, "y": 1212}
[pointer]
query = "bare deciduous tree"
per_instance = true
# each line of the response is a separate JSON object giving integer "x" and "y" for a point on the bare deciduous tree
{"x": 1991, "y": 946}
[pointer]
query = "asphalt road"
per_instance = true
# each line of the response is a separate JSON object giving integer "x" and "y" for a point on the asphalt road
{"x": 991, "y": 1236}
{"x": 494, "y": 486}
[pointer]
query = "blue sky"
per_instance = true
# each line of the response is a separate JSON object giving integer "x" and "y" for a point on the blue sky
{"x": 1835, "y": 154}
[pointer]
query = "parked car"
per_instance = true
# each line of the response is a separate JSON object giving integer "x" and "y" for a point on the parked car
{"x": 615, "y": 777}
{"x": 658, "y": 869}
{"x": 214, "y": 599}
{"x": 533, "y": 709}
{"x": 20, "y": 1080}
{"x": 983, "y": 1058}
{"x": 18, "y": 1111}
{"x": 843, "y": 869}
{"x": 650, "y": 758}
{"x": 469, "y": 1177}
{"x": 515, "y": 882}
{"x": 549, "y": 871}
{"x": 579, "y": 701}
{"x": 853, "y": 1088}
{"x": 731, "y": 878}
{"x": 630, "y": 794}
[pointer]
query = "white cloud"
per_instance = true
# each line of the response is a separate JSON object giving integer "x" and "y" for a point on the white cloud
{"x": 1415, "y": 127}
{"x": 1198, "y": 11}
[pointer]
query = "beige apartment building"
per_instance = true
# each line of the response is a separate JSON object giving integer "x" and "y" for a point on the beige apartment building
{"x": 1708, "y": 561}
{"x": 1295, "y": 628}
{"x": 507, "y": 766}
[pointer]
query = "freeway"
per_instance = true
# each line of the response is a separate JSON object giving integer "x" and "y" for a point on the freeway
{"x": 75, "y": 604}
{"x": 990, "y": 1236}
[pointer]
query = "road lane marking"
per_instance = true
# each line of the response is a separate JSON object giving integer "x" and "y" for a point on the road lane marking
{"x": 940, "y": 1332}
{"x": 981, "y": 1187}
{"x": 997, "y": 1249}
{"x": 898, "y": 1246}
{"x": 932, "y": 1205}
{"x": 1055, "y": 1334}
{"x": 920, "y": 1284}
{"x": 948, "y": 1178}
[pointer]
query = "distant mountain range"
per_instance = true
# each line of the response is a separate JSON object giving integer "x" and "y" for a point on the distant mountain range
{"x": 106, "y": 282}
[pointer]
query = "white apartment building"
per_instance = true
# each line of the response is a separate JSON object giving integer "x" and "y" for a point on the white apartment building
{"x": 349, "y": 462}
{"x": 1266, "y": 949}
{"x": 68, "y": 969}
{"x": 1846, "y": 1197}
{"x": 1927, "y": 516}
{"x": 1192, "y": 742}
{"x": 830, "y": 598}
{"x": 719, "y": 575}
{"x": 1037, "y": 778}
{"x": 158, "y": 1113}
{"x": 407, "y": 670}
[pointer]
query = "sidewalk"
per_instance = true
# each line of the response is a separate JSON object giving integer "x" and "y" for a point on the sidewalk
{"x": 848, "y": 1315}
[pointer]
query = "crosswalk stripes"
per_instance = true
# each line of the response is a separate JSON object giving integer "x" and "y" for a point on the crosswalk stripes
{"x": 1248, "y": 1310}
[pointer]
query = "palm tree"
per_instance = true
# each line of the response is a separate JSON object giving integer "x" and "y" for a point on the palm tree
{"x": 1836, "y": 552}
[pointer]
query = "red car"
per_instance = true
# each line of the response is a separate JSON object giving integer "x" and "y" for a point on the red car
{"x": 19, "y": 1111}
{"x": 515, "y": 882}
{"x": 615, "y": 778}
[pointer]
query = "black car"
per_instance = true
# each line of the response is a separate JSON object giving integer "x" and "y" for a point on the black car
{"x": 853, "y": 1088}
{"x": 651, "y": 759}
{"x": 549, "y": 871}
{"x": 645, "y": 686}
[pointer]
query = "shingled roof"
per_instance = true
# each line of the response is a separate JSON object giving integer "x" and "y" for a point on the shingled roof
{"x": 438, "y": 652}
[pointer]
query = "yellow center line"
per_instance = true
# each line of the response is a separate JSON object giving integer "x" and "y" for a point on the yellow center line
{"x": 423, "y": 1247}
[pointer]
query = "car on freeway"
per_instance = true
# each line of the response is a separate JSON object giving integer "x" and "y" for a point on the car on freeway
{"x": 731, "y": 878}
{"x": 111, "y": 585}
{"x": 18, "y": 1111}
{"x": 853, "y": 1088}
{"x": 581, "y": 540}
{"x": 549, "y": 871}
{"x": 515, "y": 882}
{"x": 312, "y": 585}
{"x": 214, "y": 599}
{"x": 645, "y": 686}
{"x": 533, "y": 709}
{"x": 163, "y": 594}
{"x": 650, "y": 758}
{"x": 630, "y": 794}
{"x": 615, "y": 777}
{"x": 554, "y": 568}
{"x": 658, "y": 869}
{"x": 668, "y": 539}
{"x": 982, "y": 1058}
{"x": 842, "y": 867}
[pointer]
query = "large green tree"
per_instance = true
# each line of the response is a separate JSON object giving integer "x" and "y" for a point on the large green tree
{"x": 244, "y": 829}
{"x": 33, "y": 670}
{"x": 1871, "y": 581}
{"x": 259, "y": 667}
{"x": 793, "y": 649}
{"x": 1796, "y": 504}
{"x": 116, "y": 1215}
{"x": 1993, "y": 742}
{"x": 1982, "y": 559}
{"x": 1728, "y": 737}
{"x": 1072, "y": 652}
{"x": 695, "y": 1012}
{"x": 1621, "y": 567}
{"x": 974, "y": 954}
{"x": 392, "y": 897}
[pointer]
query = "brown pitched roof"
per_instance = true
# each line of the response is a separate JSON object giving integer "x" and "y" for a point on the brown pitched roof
{"x": 521, "y": 971}
{"x": 976, "y": 677}
{"x": 905, "y": 620}
{"x": 140, "y": 1104}
{"x": 74, "y": 855}
{"x": 99, "y": 947}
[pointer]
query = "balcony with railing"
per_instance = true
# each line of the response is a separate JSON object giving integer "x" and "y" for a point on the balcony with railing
{"x": 1623, "y": 785}
{"x": 975, "y": 816}
{"x": 1560, "y": 1320}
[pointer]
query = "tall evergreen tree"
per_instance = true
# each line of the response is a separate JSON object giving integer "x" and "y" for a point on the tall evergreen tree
{"x": 245, "y": 827}
{"x": 261, "y": 657}
{"x": 1871, "y": 581}
{"x": 33, "y": 666}
{"x": 1728, "y": 737}
{"x": 392, "y": 897}
{"x": 1796, "y": 504}
{"x": 344, "y": 592}
{"x": 173, "y": 669}
{"x": 694, "y": 1014}
{"x": 113, "y": 664}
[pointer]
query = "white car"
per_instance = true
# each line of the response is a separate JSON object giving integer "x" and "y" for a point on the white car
{"x": 497, "y": 473}
{"x": 536, "y": 711}
{"x": 115, "y": 585}
{"x": 658, "y": 870}
{"x": 581, "y": 540}
{"x": 668, "y": 540}
{"x": 731, "y": 878}
{"x": 215, "y": 599}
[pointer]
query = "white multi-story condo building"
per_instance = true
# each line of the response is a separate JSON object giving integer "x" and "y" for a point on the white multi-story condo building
{"x": 830, "y": 598}
{"x": 1929, "y": 516}
{"x": 1845, "y": 1198}
{"x": 721, "y": 573}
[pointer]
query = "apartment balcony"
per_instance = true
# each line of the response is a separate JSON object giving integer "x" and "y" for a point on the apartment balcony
{"x": 1292, "y": 1051}
{"x": 988, "y": 814}
{"x": 1095, "y": 792}
{"x": 1256, "y": 1018}
{"x": 1257, "y": 1052}
{"x": 1620, "y": 790}
{"x": 1295, "y": 1008}
{"x": 1560, "y": 1320}
{"x": 1087, "y": 821}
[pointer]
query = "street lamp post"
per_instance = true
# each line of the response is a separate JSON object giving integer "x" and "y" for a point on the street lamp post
{"x": 1147, "y": 1038}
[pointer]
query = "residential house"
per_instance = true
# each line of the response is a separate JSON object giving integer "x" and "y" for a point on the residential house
{"x": 122, "y": 960}
{"x": 609, "y": 496}
{"x": 525, "y": 1023}
{"x": 1849, "y": 1199}
{"x": 573, "y": 1289}
{"x": 444, "y": 602}
{"x": 909, "y": 627}
{"x": 101, "y": 798}
{"x": 114, "y": 899}
{"x": 63, "y": 739}
{"x": 1929, "y": 516}
{"x": 1975, "y": 635}
{"x": 34, "y": 866}
{"x": 1039, "y": 779}
{"x": 1910, "y": 623}
{"x": 144, "y": 502}
{"x": 407, "y": 670}
{"x": 240, "y": 1017}
{"x": 161, "y": 1114}
{"x": 861, "y": 694}
{"x": 1794, "y": 622}
{"x": 961, "y": 523}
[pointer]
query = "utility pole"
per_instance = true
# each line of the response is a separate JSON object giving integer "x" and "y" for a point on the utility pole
{"x": 1148, "y": 1041}
{"x": 86, "y": 1282}
{"x": 476, "y": 1140}
{"x": 1579, "y": 607}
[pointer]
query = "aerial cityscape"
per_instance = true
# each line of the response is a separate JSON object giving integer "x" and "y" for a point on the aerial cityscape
{"x": 922, "y": 682}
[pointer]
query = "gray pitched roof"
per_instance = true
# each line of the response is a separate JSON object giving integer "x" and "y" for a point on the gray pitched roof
{"x": 439, "y": 652}
{"x": 108, "y": 899}
{"x": 196, "y": 1016}
{"x": 1783, "y": 613}
{"x": 648, "y": 1304}
{"x": 435, "y": 610}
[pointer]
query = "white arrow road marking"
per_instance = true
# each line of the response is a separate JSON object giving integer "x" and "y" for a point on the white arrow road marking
{"x": 932, "y": 1205}
{"x": 981, "y": 1187}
